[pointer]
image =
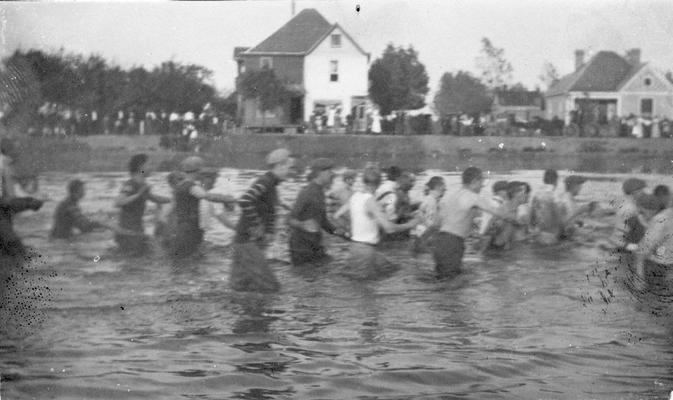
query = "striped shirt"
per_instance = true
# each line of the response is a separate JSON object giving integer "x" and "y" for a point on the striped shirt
{"x": 258, "y": 207}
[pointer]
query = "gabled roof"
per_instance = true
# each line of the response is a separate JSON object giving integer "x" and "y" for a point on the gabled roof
{"x": 605, "y": 72}
{"x": 299, "y": 35}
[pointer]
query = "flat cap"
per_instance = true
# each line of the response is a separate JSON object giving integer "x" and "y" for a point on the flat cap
{"x": 633, "y": 184}
{"x": 278, "y": 156}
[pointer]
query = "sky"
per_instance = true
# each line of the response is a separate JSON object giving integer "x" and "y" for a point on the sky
{"x": 446, "y": 33}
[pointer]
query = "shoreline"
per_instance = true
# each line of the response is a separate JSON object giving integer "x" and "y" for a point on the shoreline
{"x": 112, "y": 152}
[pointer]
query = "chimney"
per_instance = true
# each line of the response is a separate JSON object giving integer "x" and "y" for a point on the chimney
{"x": 579, "y": 59}
{"x": 633, "y": 57}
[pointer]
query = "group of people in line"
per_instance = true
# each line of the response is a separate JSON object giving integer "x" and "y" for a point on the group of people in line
{"x": 377, "y": 213}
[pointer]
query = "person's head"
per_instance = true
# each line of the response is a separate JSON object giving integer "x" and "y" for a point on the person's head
{"x": 9, "y": 149}
{"x": 191, "y": 167}
{"x": 76, "y": 189}
{"x": 208, "y": 178}
{"x": 435, "y": 186}
{"x": 348, "y": 176}
{"x": 280, "y": 162}
{"x": 648, "y": 205}
{"x": 137, "y": 165}
{"x": 406, "y": 181}
{"x": 500, "y": 189}
{"x": 516, "y": 192}
{"x": 664, "y": 195}
{"x": 633, "y": 187}
{"x": 393, "y": 173}
{"x": 371, "y": 177}
{"x": 550, "y": 177}
{"x": 574, "y": 183}
{"x": 322, "y": 172}
{"x": 473, "y": 179}
{"x": 174, "y": 178}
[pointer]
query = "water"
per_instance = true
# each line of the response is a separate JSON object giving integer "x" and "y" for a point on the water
{"x": 84, "y": 324}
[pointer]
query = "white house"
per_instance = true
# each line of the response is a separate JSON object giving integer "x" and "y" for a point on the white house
{"x": 325, "y": 67}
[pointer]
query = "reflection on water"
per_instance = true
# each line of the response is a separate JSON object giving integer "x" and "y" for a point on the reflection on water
{"x": 79, "y": 321}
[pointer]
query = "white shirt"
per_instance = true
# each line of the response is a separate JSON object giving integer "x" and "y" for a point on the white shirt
{"x": 364, "y": 228}
{"x": 458, "y": 210}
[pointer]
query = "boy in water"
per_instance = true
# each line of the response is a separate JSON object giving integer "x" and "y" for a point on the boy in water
{"x": 188, "y": 195}
{"x": 68, "y": 216}
{"x": 654, "y": 254}
{"x": 545, "y": 215}
{"x": 501, "y": 234}
{"x": 131, "y": 203}
{"x": 309, "y": 217}
{"x": 456, "y": 215}
{"x": 256, "y": 227}
{"x": 165, "y": 223}
{"x": 629, "y": 228}
{"x": 10, "y": 243}
{"x": 569, "y": 210}
{"x": 428, "y": 210}
{"x": 367, "y": 221}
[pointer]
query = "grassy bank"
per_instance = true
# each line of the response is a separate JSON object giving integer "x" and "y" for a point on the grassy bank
{"x": 111, "y": 153}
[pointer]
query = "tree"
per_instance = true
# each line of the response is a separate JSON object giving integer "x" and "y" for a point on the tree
{"x": 496, "y": 71}
{"x": 398, "y": 81}
{"x": 461, "y": 93}
{"x": 549, "y": 75}
{"x": 265, "y": 87}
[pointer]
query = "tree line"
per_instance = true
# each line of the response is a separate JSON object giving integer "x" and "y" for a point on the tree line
{"x": 29, "y": 79}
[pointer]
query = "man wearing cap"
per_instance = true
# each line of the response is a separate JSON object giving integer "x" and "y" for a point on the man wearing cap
{"x": 629, "y": 228}
{"x": 569, "y": 210}
{"x": 188, "y": 194}
{"x": 309, "y": 217}
{"x": 256, "y": 226}
{"x": 131, "y": 203}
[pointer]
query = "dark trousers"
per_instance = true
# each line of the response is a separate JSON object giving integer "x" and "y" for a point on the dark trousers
{"x": 250, "y": 271}
{"x": 448, "y": 254}
{"x": 306, "y": 247}
{"x": 186, "y": 241}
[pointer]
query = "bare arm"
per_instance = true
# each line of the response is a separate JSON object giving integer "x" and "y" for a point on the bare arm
{"x": 200, "y": 193}
{"x": 159, "y": 199}
{"x": 382, "y": 220}
{"x": 125, "y": 198}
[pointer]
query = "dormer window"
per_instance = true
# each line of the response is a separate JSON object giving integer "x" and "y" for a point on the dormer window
{"x": 265, "y": 62}
{"x": 648, "y": 81}
{"x": 336, "y": 40}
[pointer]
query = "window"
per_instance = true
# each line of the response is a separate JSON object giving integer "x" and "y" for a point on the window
{"x": 648, "y": 81}
{"x": 336, "y": 40}
{"x": 334, "y": 71}
{"x": 646, "y": 106}
{"x": 265, "y": 62}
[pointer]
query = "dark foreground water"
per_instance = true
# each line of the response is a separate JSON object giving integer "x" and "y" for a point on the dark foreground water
{"x": 79, "y": 322}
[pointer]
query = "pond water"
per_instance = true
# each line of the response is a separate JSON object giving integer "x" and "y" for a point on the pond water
{"x": 81, "y": 323}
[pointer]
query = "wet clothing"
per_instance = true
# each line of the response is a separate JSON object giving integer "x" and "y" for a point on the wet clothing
{"x": 250, "y": 270}
{"x": 310, "y": 205}
{"x": 386, "y": 196}
{"x": 68, "y": 216}
{"x": 364, "y": 228}
{"x": 448, "y": 254}
{"x": 131, "y": 218}
{"x": 10, "y": 243}
{"x": 188, "y": 235}
{"x": 258, "y": 208}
